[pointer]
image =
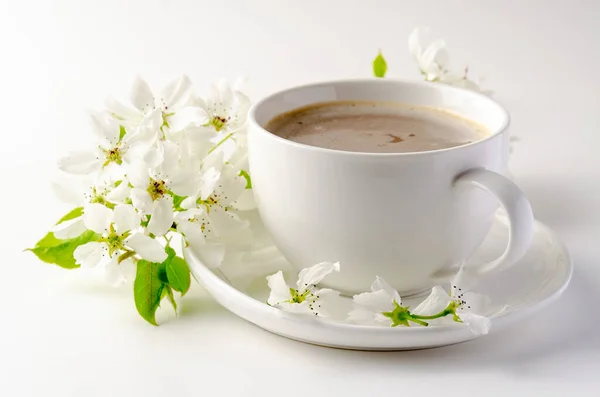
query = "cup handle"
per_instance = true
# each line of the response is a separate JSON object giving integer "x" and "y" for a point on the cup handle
{"x": 519, "y": 214}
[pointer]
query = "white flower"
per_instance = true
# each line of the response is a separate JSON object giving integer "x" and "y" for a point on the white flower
{"x": 433, "y": 62}
{"x": 152, "y": 189}
{"x": 210, "y": 223}
{"x": 431, "y": 58}
{"x": 170, "y": 109}
{"x": 200, "y": 236}
{"x": 306, "y": 298}
{"x": 111, "y": 151}
{"x": 119, "y": 237}
{"x": 470, "y": 308}
{"x": 370, "y": 306}
{"x": 103, "y": 192}
{"x": 227, "y": 108}
{"x": 382, "y": 306}
{"x": 219, "y": 194}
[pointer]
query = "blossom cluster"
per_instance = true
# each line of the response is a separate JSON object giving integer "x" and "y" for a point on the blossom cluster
{"x": 170, "y": 163}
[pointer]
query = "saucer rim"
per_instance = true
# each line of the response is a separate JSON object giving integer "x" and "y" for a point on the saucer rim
{"x": 262, "y": 308}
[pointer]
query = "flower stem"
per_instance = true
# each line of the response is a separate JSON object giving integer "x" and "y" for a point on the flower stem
{"x": 443, "y": 313}
{"x": 220, "y": 142}
{"x": 420, "y": 322}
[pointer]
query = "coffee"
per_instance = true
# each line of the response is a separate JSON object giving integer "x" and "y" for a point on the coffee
{"x": 375, "y": 127}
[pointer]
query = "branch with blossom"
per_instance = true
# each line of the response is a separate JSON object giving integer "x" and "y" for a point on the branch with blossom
{"x": 171, "y": 164}
{"x": 382, "y": 306}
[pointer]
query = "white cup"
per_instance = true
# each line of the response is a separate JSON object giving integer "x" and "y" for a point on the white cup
{"x": 411, "y": 218}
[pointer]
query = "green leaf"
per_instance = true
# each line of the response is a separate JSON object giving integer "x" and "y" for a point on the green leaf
{"x": 178, "y": 274}
{"x": 245, "y": 174}
{"x": 177, "y": 200}
{"x": 379, "y": 66}
{"x": 122, "y": 132}
{"x": 75, "y": 212}
{"x": 60, "y": 252}
{"x": 170, "y": 297}
{"x": 147, "y": 290}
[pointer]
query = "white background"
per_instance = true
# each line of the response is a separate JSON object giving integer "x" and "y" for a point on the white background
{"x": 65, "y": 335}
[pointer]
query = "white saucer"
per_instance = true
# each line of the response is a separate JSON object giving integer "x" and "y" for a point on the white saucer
{"x": 538, "y": 279}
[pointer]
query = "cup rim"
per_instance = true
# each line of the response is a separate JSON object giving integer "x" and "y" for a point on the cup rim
{"x": 439, "y": 86}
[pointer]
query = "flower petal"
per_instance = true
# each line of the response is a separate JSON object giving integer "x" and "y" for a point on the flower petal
{"x": 97, "y": 217}
{"x": 208, "y": 182}
{"x": 191, "y": 230}
{"x": 105, "y": 127}
{"x": 90, "y": 254}
{"x": 128, "y": 269}
{"x": 141, "y": 95}
{"x": 176, "y": 92}
{"x": 209, "y": 253}
{"x": 479, "y": 325}
{"x": 437, "y": 301}
{"x": 376, "y": 302}
{"x": 141, "y": 200}
{"x": 327, "y": 298}
{"x": 121, "y": 111}
{"x": 186, "y": 116}
{"x": 112, "y": 171}
{"x": 189, "y": 202}
{"x": 363, "y": 316}
{"x": 154, "y": 156}
{"x": 221, "y": 97}
{"x": 69, "y": 229}
{"x": 80, "y": 163}
{"x": 442, "y": 60}
{"x": 170, "y": 166}
{"x": 314, "y": 274}
{"x": 245, "y": 201}
{"x": 381, "y": 284}
{"x": 297, "y": 308}
{"x": 240, "y": 111}
{"x": 152, "y": 121}
{"x": 162, "y": 216}
{"x": 477, "y": 303}
{"x": 137, "y": 175}
{"x": 125, "y": 218}
{"x": 113, "y": 273}
{"x": 225, "y": 222}
{"x": 428, "y": 64}
{"x": 135, "y": 151}
{"x": 228, "y": 148}
{"x": 119, "y": 193}
{"x": 213, "y": 159}
{"x": 146, "y": 247}
{"x": 414, "y": 42}
{"x": 232, "y": 187}
{"x": 280, "y": 291}
{"x": 185, "y": 183}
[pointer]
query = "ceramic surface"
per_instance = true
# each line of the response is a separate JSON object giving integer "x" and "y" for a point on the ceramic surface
{"x": 536, "y": 280}
{"x": 406, "y": 217}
